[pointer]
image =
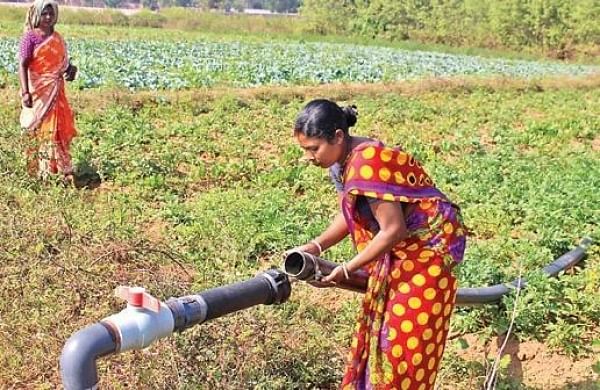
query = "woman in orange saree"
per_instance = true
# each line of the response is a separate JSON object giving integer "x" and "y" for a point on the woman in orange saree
{"x": 44, "y": 66}
{"x": 408, "y": 237}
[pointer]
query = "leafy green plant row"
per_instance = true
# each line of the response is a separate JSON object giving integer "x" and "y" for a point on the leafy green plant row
{"x": 175, "y": 65}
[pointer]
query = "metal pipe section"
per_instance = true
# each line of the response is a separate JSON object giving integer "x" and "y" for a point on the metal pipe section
{"x": 307, "y": 267}
{"x": 304, "y": 266}
{"x": 269, "y": 287}
{"x": 137, "y": 326}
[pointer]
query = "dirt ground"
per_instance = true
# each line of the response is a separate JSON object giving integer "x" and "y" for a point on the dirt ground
{"x": 536, "y": 366}
{"x": 533, "y": 365}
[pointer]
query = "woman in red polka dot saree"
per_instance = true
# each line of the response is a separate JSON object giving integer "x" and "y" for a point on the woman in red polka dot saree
{"x": 408, "y": 237}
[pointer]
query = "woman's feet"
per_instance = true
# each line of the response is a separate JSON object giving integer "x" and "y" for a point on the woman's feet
{"x": 69, "y": 180}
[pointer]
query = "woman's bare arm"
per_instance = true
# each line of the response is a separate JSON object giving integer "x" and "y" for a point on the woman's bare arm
{"x": 24, "y": 80}
{"x": 392, "y": 227}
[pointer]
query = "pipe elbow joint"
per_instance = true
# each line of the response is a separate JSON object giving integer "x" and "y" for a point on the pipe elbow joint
{"x": 78, "y": 357}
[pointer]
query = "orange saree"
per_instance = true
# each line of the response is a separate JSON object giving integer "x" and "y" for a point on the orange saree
{"x": 53, "y": 126}
{"x": 405, "y": 316}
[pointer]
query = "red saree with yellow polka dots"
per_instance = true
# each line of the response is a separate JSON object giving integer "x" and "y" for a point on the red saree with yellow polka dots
{"x": 401, "y": 330}
{"x": 54, "y": 124}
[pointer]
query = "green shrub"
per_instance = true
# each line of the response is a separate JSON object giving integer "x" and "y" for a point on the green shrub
{"x": 147, "y": 19}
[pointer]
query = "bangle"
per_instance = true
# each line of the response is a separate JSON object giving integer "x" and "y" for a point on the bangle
{"x": 345, "y": 269}
{"x": 319, "y": 247}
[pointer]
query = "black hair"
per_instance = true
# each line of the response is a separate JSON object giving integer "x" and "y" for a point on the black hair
{"x": 321, "y": 118}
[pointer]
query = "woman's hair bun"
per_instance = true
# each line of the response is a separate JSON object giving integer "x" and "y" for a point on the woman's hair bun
{"x": 351, "y": 114}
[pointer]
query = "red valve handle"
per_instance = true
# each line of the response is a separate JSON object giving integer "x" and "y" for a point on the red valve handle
{"x": 138, "y": 297}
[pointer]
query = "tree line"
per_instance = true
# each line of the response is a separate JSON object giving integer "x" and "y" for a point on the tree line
{"x": 557, "y": 26}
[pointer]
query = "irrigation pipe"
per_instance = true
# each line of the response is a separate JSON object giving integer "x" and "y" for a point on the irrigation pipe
{"x": 304, "y": 266}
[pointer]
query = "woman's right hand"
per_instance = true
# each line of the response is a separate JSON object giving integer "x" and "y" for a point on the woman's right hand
{"x": 26, "y": 100}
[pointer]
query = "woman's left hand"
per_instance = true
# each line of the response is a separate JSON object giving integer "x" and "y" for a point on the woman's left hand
{"x": 336, "y": 276}
{"x": 71, "y": 72}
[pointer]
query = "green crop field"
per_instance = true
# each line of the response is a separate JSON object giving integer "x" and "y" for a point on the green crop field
{"x": 201, "y": 185}
{"x": 176, "y": 65}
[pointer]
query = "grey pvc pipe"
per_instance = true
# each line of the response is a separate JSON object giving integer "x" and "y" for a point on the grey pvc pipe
{"x": 83, "y": 348}
{"x": 78, "y": 358}
{"x": 305, "y": 266}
